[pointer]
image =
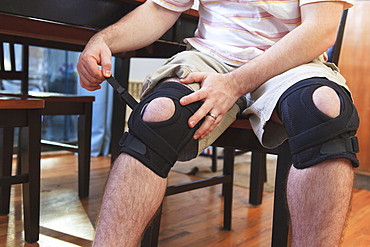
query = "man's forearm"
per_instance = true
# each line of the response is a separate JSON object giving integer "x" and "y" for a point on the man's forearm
{"x": 139, "y": 28}
{"x": 300, "y": 46}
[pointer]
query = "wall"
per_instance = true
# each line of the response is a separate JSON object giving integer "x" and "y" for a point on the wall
{"x": 354, "y": 64}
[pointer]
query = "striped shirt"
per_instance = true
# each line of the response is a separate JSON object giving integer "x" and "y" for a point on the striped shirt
{"x": 236, "y": 31}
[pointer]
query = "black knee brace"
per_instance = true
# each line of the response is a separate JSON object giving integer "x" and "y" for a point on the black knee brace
{"x": 314, "y": 136}
{"x": 158, "y": 144}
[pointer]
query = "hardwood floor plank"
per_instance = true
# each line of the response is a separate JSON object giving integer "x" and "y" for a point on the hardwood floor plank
{"x": 189, "y": 219}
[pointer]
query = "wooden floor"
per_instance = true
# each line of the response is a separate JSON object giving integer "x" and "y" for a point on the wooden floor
{"x": 189, "y": 219}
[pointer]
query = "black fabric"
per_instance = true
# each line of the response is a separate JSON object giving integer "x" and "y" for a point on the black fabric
{"x": 314, "y": 136}
{"x": 158, "y": 144}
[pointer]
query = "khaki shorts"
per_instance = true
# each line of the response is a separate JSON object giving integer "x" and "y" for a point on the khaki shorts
{"x": 260, "y": 103}
{"x": 179, "y": 66}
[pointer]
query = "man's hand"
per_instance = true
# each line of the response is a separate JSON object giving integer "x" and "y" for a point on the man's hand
{"x": 95, "y": 54}
{"x": 218, "y": 92}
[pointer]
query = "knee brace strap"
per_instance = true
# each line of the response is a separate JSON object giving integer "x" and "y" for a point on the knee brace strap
{"x": 158, "y": 144}
{"x": 314, "y": 136}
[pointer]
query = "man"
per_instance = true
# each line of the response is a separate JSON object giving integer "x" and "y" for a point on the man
{"x": 270, "y": 53}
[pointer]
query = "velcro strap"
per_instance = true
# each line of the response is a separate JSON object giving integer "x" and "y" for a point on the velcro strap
{"x": 132, "y": 142}
{"x": 310, "y": 138}
{"x": 157, "y": 143}
{"x": 341, "y": 145}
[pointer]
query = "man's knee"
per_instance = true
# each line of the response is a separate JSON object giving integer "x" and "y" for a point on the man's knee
{"x": 321, "y": 122}
{"x": 158, "y": 128}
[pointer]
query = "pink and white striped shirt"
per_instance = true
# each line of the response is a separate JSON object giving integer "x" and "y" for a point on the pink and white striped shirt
{"x": 236, "y": 31}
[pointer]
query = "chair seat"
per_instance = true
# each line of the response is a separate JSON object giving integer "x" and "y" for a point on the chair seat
{"x": 56, "y": 103}
{"x": 241, "y": 123}
{"x": 49, "y": 96}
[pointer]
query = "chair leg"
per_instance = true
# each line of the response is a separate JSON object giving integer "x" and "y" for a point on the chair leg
{"x": 84, "y": 149}
{"x": 257, "y": 177}
{"x": 280, "y": 225}
{"x": 31, "y": 166}
{"x": 122, "y": 72}
{"x": 18, "y": 167}
{"x": 214, "y": 159}
{"x": 6, "y": 152}
{"x": 227, "y": 188}
{"x": 151, "y": 234}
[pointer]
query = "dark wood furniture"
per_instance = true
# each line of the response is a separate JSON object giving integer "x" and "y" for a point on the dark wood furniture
{"x": 25, "y": 113}
{"x": 41, "y": 25}
{"x": 55, "y": 104}
{"x": 241, "y": 136}
{"x": 38, "y": 24}
{"x": 151, "y": 235}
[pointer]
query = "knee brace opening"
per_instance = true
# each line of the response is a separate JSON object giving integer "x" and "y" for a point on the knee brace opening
{"x": 327, "y": 101}
{"x": 313, "y": 135}
{"x": 158, "y": 110}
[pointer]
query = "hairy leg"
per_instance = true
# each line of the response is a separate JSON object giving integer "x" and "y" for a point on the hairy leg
{"x": 133, "y": 192}
{"x": 319, "y": 197}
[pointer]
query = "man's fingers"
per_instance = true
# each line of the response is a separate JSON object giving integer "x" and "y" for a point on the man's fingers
{"x": 193, "y": 97}
{"x": 106, "y": 64}
{"x": 210, "y": 122}
{"x": 201, "y": 112}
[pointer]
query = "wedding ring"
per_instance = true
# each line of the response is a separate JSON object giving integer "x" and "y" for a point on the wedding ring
{"x": 212, "y": 115}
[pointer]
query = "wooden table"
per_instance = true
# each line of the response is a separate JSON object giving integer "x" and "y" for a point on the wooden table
{"x": 25, "y": 113}
{"x": 69, "y": 29}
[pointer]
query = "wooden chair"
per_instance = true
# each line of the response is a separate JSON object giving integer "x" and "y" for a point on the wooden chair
{"x": 151, "y": 235}
{"x": 55, "y": 104}
{"x": 258, "y": 172}
{"x": 25, "y": 113}
{"x": 238, "y": 136}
